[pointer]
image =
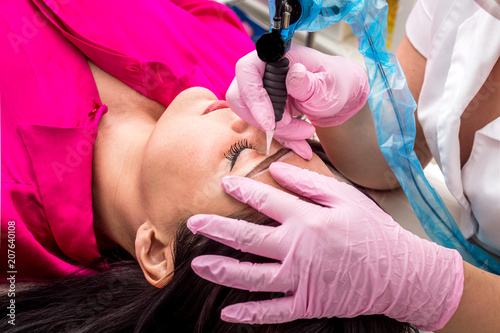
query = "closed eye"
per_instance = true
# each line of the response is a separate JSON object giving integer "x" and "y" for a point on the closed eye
{"x": 235, "y": 150}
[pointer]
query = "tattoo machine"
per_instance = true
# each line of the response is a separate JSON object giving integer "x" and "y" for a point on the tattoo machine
{"x": 271, "y": 48}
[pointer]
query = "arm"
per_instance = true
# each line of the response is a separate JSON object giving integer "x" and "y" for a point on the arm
{"x": 479, "y": 307}
{"x": 353, "y": 149}
{"x": 362, "y": 162}
{"x": 413, "y": 64}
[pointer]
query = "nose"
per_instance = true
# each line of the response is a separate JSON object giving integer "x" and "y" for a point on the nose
{"x": 240, "y": 126}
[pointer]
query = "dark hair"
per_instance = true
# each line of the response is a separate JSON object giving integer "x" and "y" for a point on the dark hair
{"x": 121, "y": 300}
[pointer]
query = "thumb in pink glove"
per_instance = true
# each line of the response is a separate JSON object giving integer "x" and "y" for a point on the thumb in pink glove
{"x": 341, "y": 257}
{"x": 327, "y": 89}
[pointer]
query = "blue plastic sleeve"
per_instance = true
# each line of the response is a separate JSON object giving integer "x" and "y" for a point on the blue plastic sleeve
{"x": 393, "y": 106}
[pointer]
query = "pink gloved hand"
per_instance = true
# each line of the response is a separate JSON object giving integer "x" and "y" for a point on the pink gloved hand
{"x": 341, "y": 257}
{"x": 327, "y": 89}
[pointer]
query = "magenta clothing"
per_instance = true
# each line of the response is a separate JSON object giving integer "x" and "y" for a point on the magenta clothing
{"x": 50, "y": 107}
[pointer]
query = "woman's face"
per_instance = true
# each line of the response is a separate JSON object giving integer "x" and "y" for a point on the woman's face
{"x": 197, "y": 141}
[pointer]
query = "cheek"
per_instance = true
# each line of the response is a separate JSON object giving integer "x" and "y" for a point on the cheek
{"x": 205, "y": 197}
{"x": 184, "y": 199}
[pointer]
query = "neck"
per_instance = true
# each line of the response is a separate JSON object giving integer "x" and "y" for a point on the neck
{"x": 122, "y": 135}
{"x": 116, "y": 169}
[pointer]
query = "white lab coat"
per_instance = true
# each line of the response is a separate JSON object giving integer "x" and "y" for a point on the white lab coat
{"x": 462, "y": 44}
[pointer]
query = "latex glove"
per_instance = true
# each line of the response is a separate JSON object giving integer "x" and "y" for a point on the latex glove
{"x": 342, "y": 257}
{"x": 327, "y": 89}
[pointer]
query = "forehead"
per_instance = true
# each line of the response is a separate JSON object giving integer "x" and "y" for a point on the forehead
{"x": 176, "y": 198}
{"x": 181, "y": 173}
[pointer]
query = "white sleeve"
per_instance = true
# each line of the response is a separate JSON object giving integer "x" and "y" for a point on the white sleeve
{"x": 419, "y": 25}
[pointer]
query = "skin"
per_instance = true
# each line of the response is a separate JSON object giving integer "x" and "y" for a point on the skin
{"x": 155, "y": 166}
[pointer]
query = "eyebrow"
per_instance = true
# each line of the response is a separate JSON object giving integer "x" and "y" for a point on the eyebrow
{"x": 267, "y": 162}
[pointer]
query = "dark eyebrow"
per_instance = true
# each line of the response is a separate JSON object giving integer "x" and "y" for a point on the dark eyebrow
{"x": 267, "y": 162}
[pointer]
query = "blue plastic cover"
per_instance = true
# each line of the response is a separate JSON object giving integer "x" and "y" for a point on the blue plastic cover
{"x": 393, "y": 107}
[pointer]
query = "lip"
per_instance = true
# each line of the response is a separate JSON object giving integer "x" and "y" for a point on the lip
{"x": 264, "y": 165}
{"x": 216, "y": 105}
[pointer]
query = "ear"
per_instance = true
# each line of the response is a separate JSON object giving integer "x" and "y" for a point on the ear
{"x": 154, "y": 255}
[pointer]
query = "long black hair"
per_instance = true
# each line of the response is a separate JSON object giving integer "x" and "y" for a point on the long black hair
{"x": 121, "y": 300}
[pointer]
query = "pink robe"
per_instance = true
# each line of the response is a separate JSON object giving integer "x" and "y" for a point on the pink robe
{"x": 50, "y": 107}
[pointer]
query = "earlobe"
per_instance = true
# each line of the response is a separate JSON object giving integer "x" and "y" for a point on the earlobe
{"x": 154, "y": 255}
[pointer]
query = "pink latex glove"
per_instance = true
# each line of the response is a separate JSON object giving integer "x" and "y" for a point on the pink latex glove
{"x": 342, "y": 257}
{"x": 327, "y": 89}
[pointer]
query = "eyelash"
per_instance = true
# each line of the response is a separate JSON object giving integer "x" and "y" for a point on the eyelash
{"x": 235, "y": 150}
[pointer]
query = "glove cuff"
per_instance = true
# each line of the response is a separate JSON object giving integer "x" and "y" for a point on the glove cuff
{"x": 437, "y": 283}
{"x": 441, "y": 310}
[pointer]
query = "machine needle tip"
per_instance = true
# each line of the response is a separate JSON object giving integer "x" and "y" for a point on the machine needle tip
{"x": 269, "y": 139}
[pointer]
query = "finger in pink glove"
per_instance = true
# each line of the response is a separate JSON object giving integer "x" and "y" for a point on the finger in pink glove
{"x": 341, "y": 257}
